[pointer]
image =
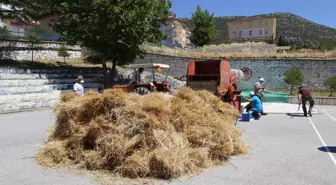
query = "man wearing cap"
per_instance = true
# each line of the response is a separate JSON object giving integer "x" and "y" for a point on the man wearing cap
{"x": 254, "y": 105}
{"x": 258, "y": 89}
{"x": 304, "y": 95}
{"x": 78, "y": 87}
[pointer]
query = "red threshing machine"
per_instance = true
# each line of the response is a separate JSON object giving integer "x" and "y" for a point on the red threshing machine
{"x": 217, "y": 77}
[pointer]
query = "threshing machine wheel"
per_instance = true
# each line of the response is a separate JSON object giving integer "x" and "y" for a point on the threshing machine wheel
{"x": 247, "y": 73}
{"x": 141, "y": 90}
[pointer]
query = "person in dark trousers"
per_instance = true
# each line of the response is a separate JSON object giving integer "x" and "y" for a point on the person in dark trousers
{"x": 304, "y": 95}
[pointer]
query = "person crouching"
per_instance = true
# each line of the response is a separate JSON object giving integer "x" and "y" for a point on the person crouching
{"x": 254, "y": 105}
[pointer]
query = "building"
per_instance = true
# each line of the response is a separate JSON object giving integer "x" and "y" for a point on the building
{"x": 178, "y": 33}
{"x": 257, "y": 29}
{"x": 45, "y": 25}
{"x": 14, "y": 26}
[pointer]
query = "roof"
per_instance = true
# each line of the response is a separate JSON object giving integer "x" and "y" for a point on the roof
{"x": 149, "y": 65}
{"x": 250, "y": 19}
{"x": 180, "y": 21}
{"x": 46, "y": 16}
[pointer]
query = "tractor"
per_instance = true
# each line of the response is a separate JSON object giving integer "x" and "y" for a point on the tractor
{"x": 143, "y": 88}
{"x": 217, "y": 77}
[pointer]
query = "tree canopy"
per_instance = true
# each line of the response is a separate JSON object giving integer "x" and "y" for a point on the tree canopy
{"x": 294, "y": 77}
{"x": 204, "y": 28}
{"x": 25, "y": 10}
{"x": 116, "y": 29}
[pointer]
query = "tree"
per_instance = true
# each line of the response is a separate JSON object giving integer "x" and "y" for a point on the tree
{"x": 294, "y": 77}
{"x": 34, "y": 40}
{"x": 4, "y": 32}
{"x": 63, "y": 52}
{"x": 326, "y": 46}
{"x": 116, "y": 29}
{"x": 204, "y": 29}
{"x": 331, "y": 83}
{"x": 24, "y": 10}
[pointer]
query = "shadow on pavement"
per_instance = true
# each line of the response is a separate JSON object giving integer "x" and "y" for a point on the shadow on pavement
{"x": 332, "y": 149}
{"x": 295, "y": 115}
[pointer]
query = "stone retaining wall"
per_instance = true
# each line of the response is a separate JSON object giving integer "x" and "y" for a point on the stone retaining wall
{"x": 22, "y": 89}
{"x": 315, "y": 71}
{"x": 20, "y": 50}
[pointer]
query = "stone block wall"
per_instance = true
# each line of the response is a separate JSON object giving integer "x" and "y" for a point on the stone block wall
{"x": 316, "y": 71}
{"x": 16, "y": 50}
{"x": 22, "y": 89}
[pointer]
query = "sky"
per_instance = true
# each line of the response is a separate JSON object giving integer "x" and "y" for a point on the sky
{"x": 319, "y": 11}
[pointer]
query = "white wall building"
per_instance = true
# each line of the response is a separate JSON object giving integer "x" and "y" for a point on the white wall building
{"x": 177, "y": 33}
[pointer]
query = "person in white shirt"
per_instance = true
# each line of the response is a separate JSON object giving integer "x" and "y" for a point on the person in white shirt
{"x": 78, "y": 87}
{"x": 136, "y": 77}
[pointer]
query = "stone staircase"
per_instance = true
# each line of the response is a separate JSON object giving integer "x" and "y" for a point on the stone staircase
{"x": 22, "y": 89}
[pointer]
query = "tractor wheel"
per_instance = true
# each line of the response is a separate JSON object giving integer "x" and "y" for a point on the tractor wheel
{"x": 141, "y": 90}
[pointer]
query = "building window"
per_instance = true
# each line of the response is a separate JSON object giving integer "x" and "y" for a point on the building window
{"x": 260, "y": 23}
{"x": 250, "y": 33}
{"x": 266, "y": 32}
{"x": 240, "y": 34}
{"x": 260, "y": 32}
{"x": 250, "y": 25}
{"x": 266, "y": 23}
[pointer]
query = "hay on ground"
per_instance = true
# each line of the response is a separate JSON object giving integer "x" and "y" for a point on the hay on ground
{"x": 155, "y": 135}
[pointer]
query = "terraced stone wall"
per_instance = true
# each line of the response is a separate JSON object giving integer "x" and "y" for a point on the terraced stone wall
{"x": 22, "y": 89}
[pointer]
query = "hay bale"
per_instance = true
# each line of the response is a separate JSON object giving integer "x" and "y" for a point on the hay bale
{"x": 52, "y": 154}
{"x": 155, "y": 135}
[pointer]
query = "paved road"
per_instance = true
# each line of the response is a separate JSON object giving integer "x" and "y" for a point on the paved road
{"x": 283, "y": 150}
{"x": 20, "y": 135}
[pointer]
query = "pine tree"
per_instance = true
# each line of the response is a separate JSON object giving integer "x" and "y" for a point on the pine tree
{"x": 63, "y": 52}
{"x": 204, "y": 29}
{"x": 34, "y": 40}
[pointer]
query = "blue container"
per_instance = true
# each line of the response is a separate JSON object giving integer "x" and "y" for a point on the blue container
{"x": 246, "y": 116}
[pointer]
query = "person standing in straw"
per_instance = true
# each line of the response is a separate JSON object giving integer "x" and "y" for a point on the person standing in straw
{"x": 78, "y": 87}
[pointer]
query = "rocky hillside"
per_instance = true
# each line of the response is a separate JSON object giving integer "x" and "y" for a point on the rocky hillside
{"x": 292, "y": 28}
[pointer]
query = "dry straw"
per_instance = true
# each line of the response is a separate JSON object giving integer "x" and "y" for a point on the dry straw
{"x": 157, "y": 135}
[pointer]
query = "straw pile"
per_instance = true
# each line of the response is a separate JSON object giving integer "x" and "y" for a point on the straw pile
{"x": 156, "y": 135}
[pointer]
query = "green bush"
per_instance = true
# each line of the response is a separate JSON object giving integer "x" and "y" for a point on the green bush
{"x": 331, "y": 83}
{"x": 294, "y": 77}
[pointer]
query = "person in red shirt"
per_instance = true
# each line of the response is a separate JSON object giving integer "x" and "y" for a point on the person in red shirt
{"x": 304, "y": 96}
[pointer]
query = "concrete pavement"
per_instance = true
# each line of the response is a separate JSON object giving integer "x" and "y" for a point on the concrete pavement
{"x": 20, "y": 135}
{"x": 283, "y": 150}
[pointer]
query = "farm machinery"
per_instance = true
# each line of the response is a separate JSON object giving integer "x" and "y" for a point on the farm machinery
{"x": 217, "y": 77}
{"x": 142, "y": 88}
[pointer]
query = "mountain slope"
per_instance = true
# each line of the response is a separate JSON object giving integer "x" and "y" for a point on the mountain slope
{"x": 293, "y": 29}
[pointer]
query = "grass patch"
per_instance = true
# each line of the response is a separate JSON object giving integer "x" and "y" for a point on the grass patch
{"x": 203, "y": 53}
